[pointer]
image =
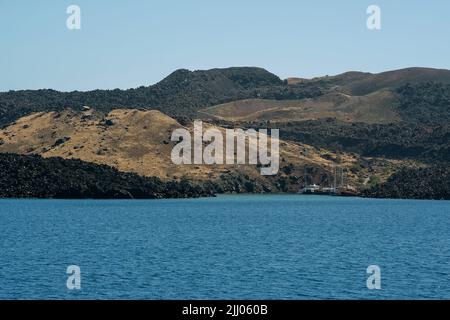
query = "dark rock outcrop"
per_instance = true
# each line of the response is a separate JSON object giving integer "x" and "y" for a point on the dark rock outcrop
{"x": 37, "y": 177}
{"x": 424, "y": 183}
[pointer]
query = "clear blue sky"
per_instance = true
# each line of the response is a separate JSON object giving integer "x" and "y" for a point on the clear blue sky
{"x": 125, "y": 44}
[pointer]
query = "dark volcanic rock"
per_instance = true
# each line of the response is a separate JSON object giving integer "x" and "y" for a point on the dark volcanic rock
{"x": 426, "y": 183}
{"x": 60, "y": 141}
{"x": 109, "y": 122}
{"x": 37, "y": 177}
{"x": 428, "y": 143}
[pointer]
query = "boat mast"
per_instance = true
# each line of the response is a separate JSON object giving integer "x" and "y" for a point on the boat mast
{"x": 334, "y": 177}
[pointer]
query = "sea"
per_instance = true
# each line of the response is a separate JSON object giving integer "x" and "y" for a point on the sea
{"x": 227, "y": 247}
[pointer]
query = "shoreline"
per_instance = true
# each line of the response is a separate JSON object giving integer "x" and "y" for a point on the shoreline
{"x": 219, "y": 196}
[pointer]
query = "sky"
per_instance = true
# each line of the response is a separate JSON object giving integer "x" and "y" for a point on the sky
{"x": 126, "y": 44}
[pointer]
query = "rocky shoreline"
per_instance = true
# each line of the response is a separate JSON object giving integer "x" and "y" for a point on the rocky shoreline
{"x": 432, "y": 183}
{"x": 33, "y": 176}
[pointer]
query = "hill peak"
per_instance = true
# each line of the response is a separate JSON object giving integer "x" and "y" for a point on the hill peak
{"x": 244, "y": 77}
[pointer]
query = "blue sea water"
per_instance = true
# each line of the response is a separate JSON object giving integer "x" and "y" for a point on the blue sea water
{"x": 229, "y": 247}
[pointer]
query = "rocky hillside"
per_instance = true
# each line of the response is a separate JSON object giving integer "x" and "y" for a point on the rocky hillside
{"x": 424, "y": 183}
{"x": 411, "y": 122}
{"x": 420, "y": 104}
{"x": 181, "y": 94}
{"x": 366, "y": 124}
{"x": 363, "y": 96}
{"x": 37, "y": 177}
{"x": 425, "y": 143}
{"x": 426, "y": 104}
{"x": 139, "y": 141}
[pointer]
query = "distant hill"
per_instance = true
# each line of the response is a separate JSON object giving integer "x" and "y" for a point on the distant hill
{"x": 180, "y": 94}
{"x": 360, "y": 83}
{"x": 184, "y": 92}
{"x": 414, "y": 95}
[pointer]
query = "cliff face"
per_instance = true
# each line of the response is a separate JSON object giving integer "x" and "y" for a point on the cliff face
{"x": 37, "y": 177}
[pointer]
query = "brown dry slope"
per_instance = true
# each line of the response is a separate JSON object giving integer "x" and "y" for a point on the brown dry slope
{"x": 130, "y": 140}
{"x": 350, "y": 97}
{"x": 376, "y": 107}
{"x": 139, "y": 141}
